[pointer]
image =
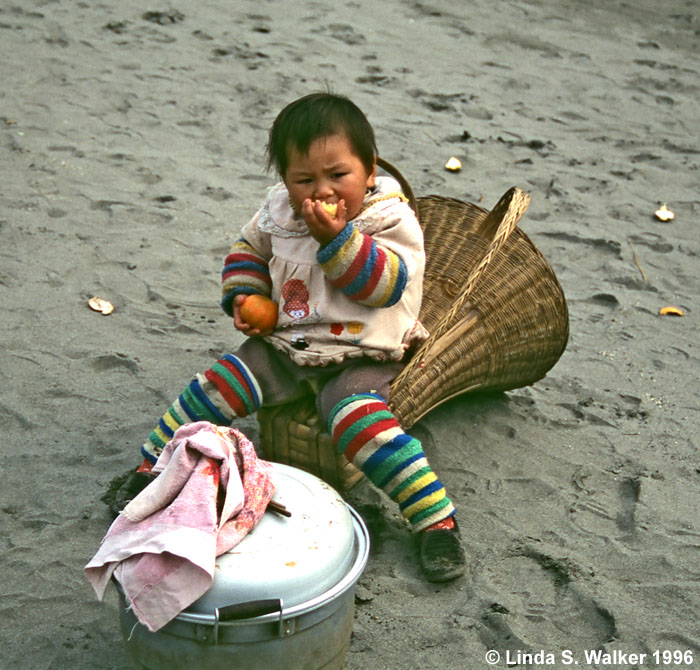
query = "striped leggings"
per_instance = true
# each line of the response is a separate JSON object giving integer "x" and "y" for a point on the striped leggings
{"x": 359, "y": 421}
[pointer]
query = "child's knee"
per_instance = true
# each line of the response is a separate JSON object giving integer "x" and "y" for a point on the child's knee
{"x": 366, "y": 378}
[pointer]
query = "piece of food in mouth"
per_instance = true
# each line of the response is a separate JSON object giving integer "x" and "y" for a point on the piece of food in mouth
{"x": 330, "y": 208}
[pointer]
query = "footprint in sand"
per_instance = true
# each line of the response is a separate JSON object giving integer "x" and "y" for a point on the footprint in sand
{"x": 541, "y": 606}
{"x": 605, "y": 503}
{"x": 342, "y": 32}
{"x": 107, "y": 362}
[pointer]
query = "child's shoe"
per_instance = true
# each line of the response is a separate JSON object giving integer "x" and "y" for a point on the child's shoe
{"x": 123, "y": 488}
{"x": 440, "y": 551}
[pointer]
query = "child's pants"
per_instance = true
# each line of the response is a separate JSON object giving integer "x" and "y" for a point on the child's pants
{"x": 350, "y": 401}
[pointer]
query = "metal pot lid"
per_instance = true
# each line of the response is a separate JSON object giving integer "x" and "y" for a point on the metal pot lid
{"x": 292, "y": 558}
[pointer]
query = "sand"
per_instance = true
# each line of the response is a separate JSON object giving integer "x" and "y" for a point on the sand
{"x": 131, "y": 153}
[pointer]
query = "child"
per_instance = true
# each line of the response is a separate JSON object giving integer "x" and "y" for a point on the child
{"x": 349, "y": 289}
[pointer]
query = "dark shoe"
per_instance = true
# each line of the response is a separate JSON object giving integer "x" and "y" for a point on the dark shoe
{"x": 124, "y": 488}
{"x": 441, "y": 554}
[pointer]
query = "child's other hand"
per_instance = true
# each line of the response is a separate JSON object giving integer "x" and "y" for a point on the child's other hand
{"x": 240, "y": 324}
{"x": 322, "y": 226}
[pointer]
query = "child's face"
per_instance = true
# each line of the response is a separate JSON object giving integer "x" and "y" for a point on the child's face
{"x": 330, "y": 171}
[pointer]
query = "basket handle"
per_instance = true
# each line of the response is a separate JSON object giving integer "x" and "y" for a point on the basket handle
{"x": 499, "y": 224}
{"x": 396, "y": 174}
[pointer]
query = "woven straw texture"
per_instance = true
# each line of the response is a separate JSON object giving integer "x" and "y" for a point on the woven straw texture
{"x": 292, "y": 433}
{"x": 495, "y": 311}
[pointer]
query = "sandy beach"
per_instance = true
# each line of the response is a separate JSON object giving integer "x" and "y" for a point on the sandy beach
{"x": 132, "y": 152}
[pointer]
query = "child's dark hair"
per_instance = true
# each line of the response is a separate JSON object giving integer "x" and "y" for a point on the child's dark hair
{"x": 319, "y": 115}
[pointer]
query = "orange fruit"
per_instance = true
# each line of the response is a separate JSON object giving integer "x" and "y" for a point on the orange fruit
{"x": 259, "y": 312}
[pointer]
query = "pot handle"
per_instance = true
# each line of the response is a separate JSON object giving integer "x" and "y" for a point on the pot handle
{"x": 249, "y": 610}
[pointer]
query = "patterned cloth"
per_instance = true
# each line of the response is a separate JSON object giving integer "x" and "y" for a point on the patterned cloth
{"x": 163, "y": 547}
{"x": 365, "y": 430}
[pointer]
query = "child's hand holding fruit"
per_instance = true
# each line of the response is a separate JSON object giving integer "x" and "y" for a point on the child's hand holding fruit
{"x": 323, "y": 219}
{"x": 254, "y": 314}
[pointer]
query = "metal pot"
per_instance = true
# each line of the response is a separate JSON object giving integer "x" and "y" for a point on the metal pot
{"x": 282, "y": 598}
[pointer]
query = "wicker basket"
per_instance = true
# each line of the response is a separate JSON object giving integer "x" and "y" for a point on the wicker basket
{"x": 495, "y": 310}
{"x": 292, "y": 433}
{"x": 503, "y": 327}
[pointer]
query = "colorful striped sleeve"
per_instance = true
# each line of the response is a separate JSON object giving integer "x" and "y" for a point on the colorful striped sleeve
{"x": 362, "y": 270}
{"x": 245, "y": 272}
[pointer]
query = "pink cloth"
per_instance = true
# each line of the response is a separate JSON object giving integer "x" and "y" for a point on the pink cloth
{"x": 162, "y": 548}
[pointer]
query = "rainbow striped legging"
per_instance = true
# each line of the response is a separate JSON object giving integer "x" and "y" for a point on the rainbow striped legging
{"x": 350, "y": 398}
